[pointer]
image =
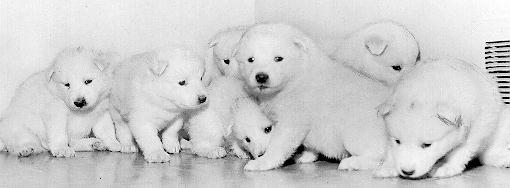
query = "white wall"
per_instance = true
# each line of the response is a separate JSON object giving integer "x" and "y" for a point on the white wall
{"x": 444, "y": 28}
{"x": 32, "y": 31}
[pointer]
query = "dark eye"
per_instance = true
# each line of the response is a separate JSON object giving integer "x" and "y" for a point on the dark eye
{"x": 396, "y": 67}
{"x": 67, "y": 85}
{"x": 251, "y": 59}
{"x": 226, "y": 61}
{"x": 87, "y": 82}
{"x": 425, "y": 145}
{"x": 182, "y": 83}
{"x": 247, "y": 139}
{"x": 397, "y": 141}
{"x": 267, "y": 130}
{"x": 278, "y": 59}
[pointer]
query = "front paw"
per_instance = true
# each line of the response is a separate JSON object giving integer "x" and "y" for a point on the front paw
{"x": 114, "y": 147}
{"x": 385, "y": 173}
{"x": 212, "y": 153}
{"x": 259, "y": 165}
{"x": 241, "y": 154}
{"x": 63, "y": 152}
{"x": 27, "y": 150}
{"x": 307, "y": 157}
{"x": 172, "y": 146}
{"x": 128, "y": 148}
{"x": 158, "y": 156}
{"x": 99, "y": 146}
{"x": 357, "y": 163}
{"x": 448, "y": 171}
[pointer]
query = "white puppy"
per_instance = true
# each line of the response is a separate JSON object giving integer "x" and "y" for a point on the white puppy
{"x": 382, "y": 51}
{"x": 442, "y": 109}
{"x": 222, "y": 45}
{"x": 57, "y": 108}
{"x": 151, "y": 91}
{"x": 327, "y": 107}
{"x": 209, "y": 128}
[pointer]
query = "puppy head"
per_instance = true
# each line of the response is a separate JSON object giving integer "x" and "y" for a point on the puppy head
{"x": 222, "y": 45}
{"x": 383, "y": 51}
{"x": 270, "y": 56}
{"x": 176, "y": 77}
{"x": 80, "y": 77}
{"x": 251, "y": 127}
{"x": 421, "y": 135}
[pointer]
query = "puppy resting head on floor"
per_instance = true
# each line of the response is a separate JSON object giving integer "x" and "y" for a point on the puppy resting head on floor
{"x": 222, "y": 45}
{"x": 383, "y": 51}
{"x": 80, "y": 78}
{"x": 421, "y": 135}
{"x": 251, "y": 127}
{"x": 269, "y": 60}
{"x": 176, "y": 77}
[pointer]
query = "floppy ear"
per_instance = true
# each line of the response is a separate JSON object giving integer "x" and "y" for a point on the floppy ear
{"x": 156, "y": 66}
{"x": 384, "y": 109}
{"x": 376, "y": 45}
{"x": 301, "y": 43}
{"x": 213, "y": 42}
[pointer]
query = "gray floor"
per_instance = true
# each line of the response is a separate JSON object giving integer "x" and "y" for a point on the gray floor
{"x": 106, "y": 169}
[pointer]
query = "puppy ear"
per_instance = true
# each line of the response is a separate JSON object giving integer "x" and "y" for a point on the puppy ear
{"x": 384, "y": 109}
{"x": 376, "y": 45}
{"x": 449, "y": 115}
{"x": 156, "y": 66}
{"x": 49, "y": 75}
{"x": 104, "y": 60}
{"x": 212, "y": 43}
{"x": 301, "y": 44}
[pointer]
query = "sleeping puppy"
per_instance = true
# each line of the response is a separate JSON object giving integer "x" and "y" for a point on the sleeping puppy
{"x": 151, "y": 93}
{"x": 57, "y": 109}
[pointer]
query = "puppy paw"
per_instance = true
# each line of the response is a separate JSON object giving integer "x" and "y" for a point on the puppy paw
{"x": 500, "y": 159}
{"x": 241, "y": 154}
{"x": 385, "y": 173}
{"x": 172, "y": 146}
{"x": 27, "y": 150}
{"x": 259, "y": 165}
{"x": 114, "y": 147}
{"x": 448, "y": 171}
{"x": 159, "y": 156}
{"x": 98, "y": 145}
{"x": 185, "y": 144}
{"x": 212, "y": 153}
{"x": 63, "y": 152}
{"x": 357, "y": 163}
{"x": 307, "y": 157}
{"x": 128, "y": 148}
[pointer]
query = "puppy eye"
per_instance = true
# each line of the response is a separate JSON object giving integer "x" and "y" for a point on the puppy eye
{"x": 67, "y": 85}
{"x": 247, "y": 139}
{"x": 251, "y": 59}
{"x": 267, "y": 130}
{"x": 396, "y": 67}
{"x": 397, "y": 141}
{"x": 226, "y": 61}
{"x": 278, "y": 59}
{"x": 182, "y": 83}
{"x": 425, "y": 145}
{"x": 87, "y": 82}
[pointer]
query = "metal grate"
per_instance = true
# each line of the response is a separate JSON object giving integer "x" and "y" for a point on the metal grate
{"x": 497, "y": 63}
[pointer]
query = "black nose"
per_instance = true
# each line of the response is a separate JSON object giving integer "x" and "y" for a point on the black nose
{"x": 261, "y": 77}
{"x": 202, "y": 99}
{"x": 80, "y": 102}
{"x": 408, "y": 173}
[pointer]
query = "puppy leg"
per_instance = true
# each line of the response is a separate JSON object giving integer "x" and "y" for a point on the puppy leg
{"x": 206, "y": 135}
{"x": 87, "y": 144}
{"x": 170, "y": 137}
{"x": 146, "y": 136}
{"x": 307, "y": 156}
{"x": 19, "y": 140}
{"x": 58, "y": 141}
{"x": 105, "y": 131}
{"x": 123, "y": 133}
{"x": 286, "y": 138}
{"x": 498, "y": 153}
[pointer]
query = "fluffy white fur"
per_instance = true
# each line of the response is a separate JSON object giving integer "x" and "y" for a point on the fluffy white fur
{"x": 383, "y": 51}
{"x": 48, "y": 110}
{"x": 230, "y": 109}
{"x": 150, "y": 93}
{"x": 443, "y": 108}
{"x": 327, "y": 107}
{"x": 222, "y": 44}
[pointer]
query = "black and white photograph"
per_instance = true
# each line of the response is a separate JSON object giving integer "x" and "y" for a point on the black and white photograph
{"x": 255, "y": 93}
